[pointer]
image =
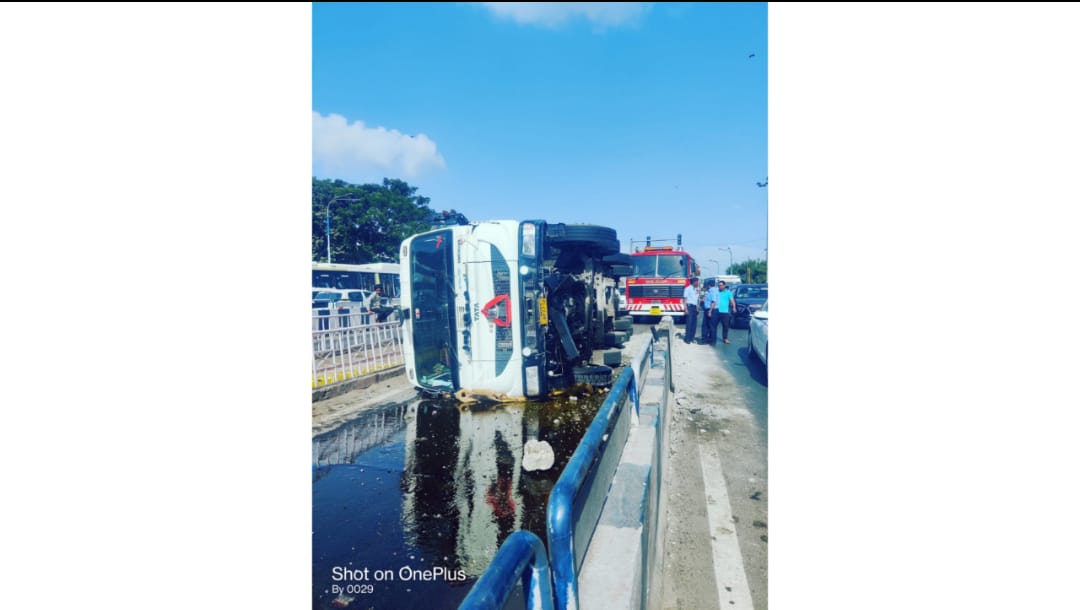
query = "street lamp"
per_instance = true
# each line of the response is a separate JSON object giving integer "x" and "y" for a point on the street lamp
{"x": 713, "y": 260}
{"x": 334, "y": 200}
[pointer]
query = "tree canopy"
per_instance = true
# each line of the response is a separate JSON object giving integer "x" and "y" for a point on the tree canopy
{"x": 754, "y": 271}
{"x": 368, "y": 222}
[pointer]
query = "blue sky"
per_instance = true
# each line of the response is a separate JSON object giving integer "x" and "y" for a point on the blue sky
{"x": 650, "y": 118}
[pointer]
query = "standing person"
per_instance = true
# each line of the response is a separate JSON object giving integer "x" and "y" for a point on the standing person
{"x": 708, "y": 325}
{"x": 690, "y": 296}
{"x": 725, "y": 307}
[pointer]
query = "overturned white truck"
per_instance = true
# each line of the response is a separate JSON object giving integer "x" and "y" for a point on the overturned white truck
{"x": 509, "y": 309}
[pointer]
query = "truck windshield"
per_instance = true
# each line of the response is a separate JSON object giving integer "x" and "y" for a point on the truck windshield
{"x": 431, "y": 262}
{"x": 670, "y": 266}
{"x": 658, "y": 265}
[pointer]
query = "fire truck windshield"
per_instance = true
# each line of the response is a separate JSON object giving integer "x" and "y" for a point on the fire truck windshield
{"x": 659, "y": 265}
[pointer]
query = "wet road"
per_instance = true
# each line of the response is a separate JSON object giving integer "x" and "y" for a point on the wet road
{"x": 411, "y": 501}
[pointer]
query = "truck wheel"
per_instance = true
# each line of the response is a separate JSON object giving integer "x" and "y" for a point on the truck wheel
{"x": 599, "y": 240}
{"x": 596, "y": 375}
{"x": 621, "y": 258}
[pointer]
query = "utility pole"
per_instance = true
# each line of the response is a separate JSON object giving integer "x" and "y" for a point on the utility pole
{"x": 731, "y": 257}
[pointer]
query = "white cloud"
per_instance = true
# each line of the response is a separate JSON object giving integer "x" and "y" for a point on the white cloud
{"x": 552, "y": 14}
{"x": 358, "y": 152}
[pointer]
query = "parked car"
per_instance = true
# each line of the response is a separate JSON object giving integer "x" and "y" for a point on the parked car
{"x": 758, "y": 341}
{"x": 748, "y": 299}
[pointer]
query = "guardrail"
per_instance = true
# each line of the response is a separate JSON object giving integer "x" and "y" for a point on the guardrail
{"x": 578, "y": 496}
{"x": 353, "y": 348}
{"x": 575, "y": 503}
{"x": 522, "y": 557}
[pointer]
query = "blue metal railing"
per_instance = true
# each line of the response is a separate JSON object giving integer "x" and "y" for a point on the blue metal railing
{"x": 522, "y": 557}
{"x": 571, "y": 514}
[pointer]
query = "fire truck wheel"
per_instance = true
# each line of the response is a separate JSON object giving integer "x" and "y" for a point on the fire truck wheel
{"x": 595, "y": 375}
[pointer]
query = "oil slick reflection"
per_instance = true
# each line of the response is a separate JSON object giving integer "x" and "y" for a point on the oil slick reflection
{"x": 460, "y": 484}
{"x": 464, "y": 488}
{"x": 433, "y": 485}
{"x": 349, "y": 442}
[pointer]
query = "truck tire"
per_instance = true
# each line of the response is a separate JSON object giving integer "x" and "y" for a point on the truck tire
{"x": 621, "y": 270}
{"x": 601, "y": 241}
{"x": 624, "y": 324}
{"x": 621, "y": 258}
{"x": 596, "y": 375}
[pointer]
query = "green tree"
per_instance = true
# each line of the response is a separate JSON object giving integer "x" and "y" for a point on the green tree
{"x": 368, "y": 222}
{"x": 753, "y": 271}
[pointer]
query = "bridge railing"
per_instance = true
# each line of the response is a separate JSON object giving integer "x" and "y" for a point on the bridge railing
{"x": 353, "y": 348}
{"x": 575, "y": 503}
{"x": 578, "y": 497}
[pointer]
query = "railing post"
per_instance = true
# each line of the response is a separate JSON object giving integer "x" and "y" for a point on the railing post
{"x": 522, "y": 557}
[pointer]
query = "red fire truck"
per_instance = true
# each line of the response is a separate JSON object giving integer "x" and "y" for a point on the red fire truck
{"x": 661, "y": 273}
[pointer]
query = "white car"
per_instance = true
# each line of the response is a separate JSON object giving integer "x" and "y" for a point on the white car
{"x": 338, "y": 299}
{"x": 758, "y": 341}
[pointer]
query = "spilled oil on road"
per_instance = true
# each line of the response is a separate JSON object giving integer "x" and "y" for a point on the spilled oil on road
{"x": 411, "y": 501}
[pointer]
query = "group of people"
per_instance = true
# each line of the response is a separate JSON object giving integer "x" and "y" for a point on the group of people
{"x": 715, "y": 305}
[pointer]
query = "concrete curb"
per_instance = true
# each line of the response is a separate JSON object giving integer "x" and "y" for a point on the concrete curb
{"x": 618, "y": 569}
{"x": 358, "y": 383}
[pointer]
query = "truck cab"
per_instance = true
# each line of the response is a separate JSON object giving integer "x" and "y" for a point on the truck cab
{"x": 507, "y": 309}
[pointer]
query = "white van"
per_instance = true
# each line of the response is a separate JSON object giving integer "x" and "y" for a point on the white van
{"x": 506, "y": 308}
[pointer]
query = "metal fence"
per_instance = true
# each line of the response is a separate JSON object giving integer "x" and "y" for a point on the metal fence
{"x": 578, "y": 496}
{"x": 522, "y": 558}
{"x": 347, "y": 346}
{"x": 574, "y": 504}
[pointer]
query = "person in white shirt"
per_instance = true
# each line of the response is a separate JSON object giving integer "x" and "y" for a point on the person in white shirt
{"x": 690, "y": 296}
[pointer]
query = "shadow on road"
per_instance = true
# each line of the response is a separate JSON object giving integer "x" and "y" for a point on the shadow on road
{"x": 753, "y": 365}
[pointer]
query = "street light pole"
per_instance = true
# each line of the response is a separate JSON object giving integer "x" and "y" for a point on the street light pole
{"x": 328, "y": 229}
{"x": 731, "y": 257}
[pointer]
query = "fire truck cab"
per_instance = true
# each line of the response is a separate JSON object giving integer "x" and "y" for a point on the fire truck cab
{"x": 655, "y": 288}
